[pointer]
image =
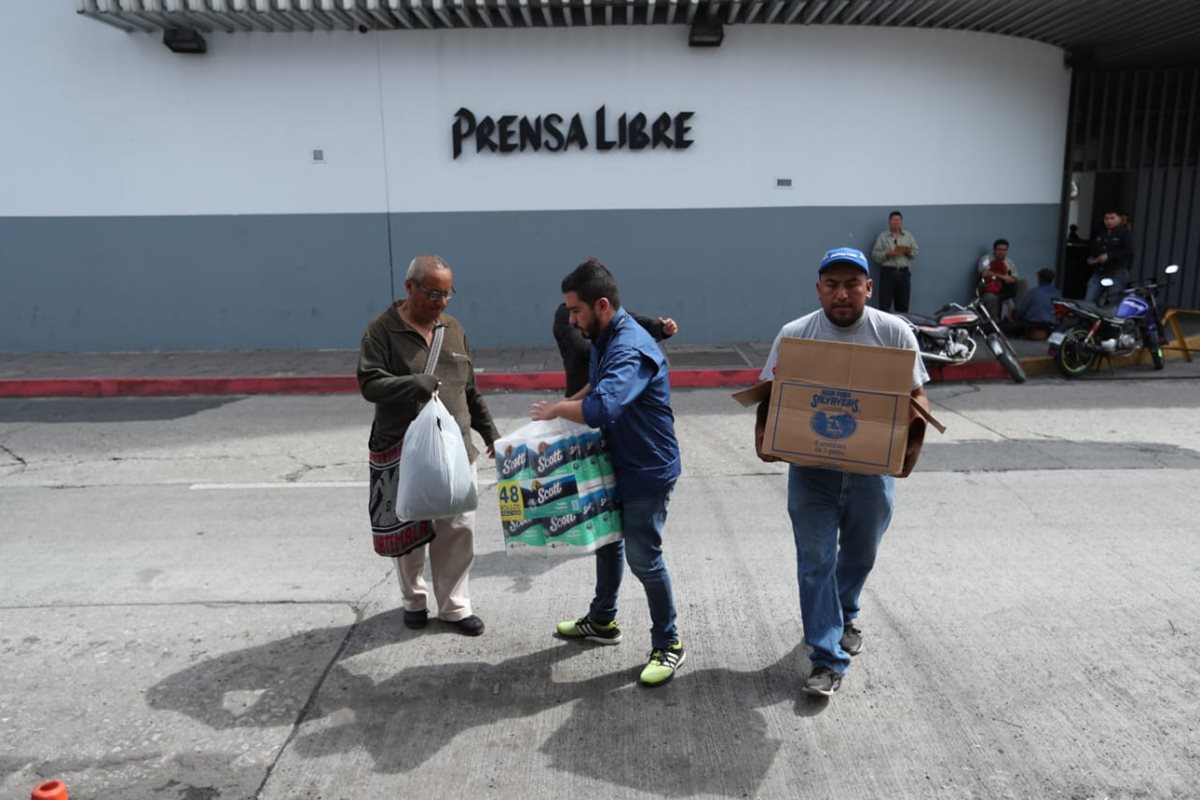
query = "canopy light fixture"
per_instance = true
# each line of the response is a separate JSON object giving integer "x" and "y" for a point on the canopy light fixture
{"x": 184, "y": 40}
{"x": 706, "y": 32}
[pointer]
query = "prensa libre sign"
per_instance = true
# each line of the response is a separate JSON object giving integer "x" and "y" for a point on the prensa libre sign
{"x": 556, "y": 133}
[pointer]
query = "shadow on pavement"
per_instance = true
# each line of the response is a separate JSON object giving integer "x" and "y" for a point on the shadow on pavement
{"x": 107, "y": 409}
{"x": 699, "y": 734}
{"x": 1017, "y": 455}
{"x": 522, "y": 569}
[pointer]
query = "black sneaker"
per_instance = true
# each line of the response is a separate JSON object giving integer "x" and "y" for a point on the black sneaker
{"x": 471, "y": 626}
{"x": 416, "y": 619}
{"x": 822, "y": 681}
{"x": 584, "y": 628}
{"x": 852, "y": 638}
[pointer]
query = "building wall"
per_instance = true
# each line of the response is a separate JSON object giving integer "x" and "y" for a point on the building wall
{"x": 162, "y": 201}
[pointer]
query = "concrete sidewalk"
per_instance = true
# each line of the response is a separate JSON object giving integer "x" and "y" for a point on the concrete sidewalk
{"x": 332, "y": 371}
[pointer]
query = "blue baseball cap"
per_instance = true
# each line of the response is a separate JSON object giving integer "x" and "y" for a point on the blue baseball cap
{"x": 844, "y": 255}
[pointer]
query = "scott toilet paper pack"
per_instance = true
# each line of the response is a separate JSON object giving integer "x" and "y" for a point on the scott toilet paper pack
{"x": 556, "y": 489}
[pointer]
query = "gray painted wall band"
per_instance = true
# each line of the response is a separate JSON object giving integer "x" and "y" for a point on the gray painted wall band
{"x": 306, "y": 281}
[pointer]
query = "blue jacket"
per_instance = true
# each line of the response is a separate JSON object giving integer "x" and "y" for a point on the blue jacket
{"x": 1038, "y": 304}
{"x": 630, "y": 400}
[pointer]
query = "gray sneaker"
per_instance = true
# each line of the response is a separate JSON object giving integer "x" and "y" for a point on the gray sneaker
{"x": 822, "y": 681}
{"x": 852, "y": 638}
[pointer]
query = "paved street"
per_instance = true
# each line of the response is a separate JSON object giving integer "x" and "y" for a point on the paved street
{"x": 190, "y": 608}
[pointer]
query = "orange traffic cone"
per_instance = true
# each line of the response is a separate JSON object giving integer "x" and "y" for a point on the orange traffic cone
{"x": 50, "y": 790}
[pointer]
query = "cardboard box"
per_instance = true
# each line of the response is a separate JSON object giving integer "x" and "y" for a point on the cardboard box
{"x": 839, "y": 406}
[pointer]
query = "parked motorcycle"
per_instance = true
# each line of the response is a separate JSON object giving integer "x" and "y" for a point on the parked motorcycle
{"x": 949, "y": 337}
{"x": 1088, "y": 333}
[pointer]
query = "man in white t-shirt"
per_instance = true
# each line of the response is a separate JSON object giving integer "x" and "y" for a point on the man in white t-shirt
{"x": 838, "y": 518}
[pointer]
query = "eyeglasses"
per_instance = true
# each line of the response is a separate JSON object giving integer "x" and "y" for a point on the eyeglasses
{"x": 435, "y": 295}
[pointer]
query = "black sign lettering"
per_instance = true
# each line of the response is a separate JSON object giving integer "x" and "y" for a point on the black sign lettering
{"x": 576, "y": 135}
{"x": 602, "y": 141}
{"x": 483, "y": 135}
{"x": 464, "y": 126}
{"x": 557, "y": 140}
{"x": 531, "y": 133}
{"x": 511, "y": 133}
{"x": 682, "y": 130}
{"x": 660, "y": 131}
{"x": 507, "y": 145}
{"x": 638, "y": 139}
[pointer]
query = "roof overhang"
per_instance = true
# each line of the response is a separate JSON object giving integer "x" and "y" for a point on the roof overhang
{"x": 1104, "y": 33}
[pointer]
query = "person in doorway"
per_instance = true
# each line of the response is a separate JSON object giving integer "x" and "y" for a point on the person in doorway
{"x": 1111, "y": 257}
{"x": 894, "y": 251}
{"x": 396, "y": 350}
{"x": 629, "y": 398}
{"x": 997, "y": 278}
{"x": 839, "y": 518}
{"x": 576, "y": 350}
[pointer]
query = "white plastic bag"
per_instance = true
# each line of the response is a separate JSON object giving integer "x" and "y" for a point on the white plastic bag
{"x": 434, "y": 478}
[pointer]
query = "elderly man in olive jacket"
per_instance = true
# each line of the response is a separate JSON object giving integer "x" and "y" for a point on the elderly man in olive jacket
{"x": 391, "y": 375}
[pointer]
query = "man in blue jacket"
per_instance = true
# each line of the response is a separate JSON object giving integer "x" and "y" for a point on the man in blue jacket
{"x": 629, "y": 398}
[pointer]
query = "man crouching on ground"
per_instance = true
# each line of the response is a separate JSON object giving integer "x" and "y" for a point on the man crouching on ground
{"x": 628, "y": 397}
{"x": 839, "y": 518}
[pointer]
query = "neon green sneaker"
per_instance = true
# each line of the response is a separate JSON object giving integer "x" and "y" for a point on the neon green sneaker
{"x": 584, "y": 628}
{"x": 662, "y": 665}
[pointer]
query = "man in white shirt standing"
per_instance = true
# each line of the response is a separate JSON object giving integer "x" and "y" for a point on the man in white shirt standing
{"x": 839, "y": 518}
{"x": 894, "y": 251}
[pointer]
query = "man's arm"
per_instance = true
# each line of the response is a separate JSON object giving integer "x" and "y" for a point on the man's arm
{"x": 556, "y": 409}
{"x": 654, "y": 327}
{"x": 913, "y": 249}
{"x": 481, "y": 416}
{"x": 571, "y": 408}
{"x": 379, "y": 384}
{"x": 760, "y": 430}
{"x": 916, "y": 433}
{"x": 880, "y": 251}
{"x": 626, "y": 375}
{"x": 660, "y": 328}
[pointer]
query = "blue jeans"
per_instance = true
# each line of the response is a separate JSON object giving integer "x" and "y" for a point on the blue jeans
{"x": 642, "y": 521}
{"x": 830, "y": 508}
{"x": 1120, "y": 278}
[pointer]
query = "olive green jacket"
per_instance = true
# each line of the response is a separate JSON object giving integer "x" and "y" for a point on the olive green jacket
{"x": 390, "y": 364}
{"x": 886, "y": 241}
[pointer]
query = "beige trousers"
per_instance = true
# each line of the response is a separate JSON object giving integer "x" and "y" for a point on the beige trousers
{"x": 450, "y": 555}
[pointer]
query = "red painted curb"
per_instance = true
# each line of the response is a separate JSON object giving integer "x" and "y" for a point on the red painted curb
{"x": 166, "y": 387}
{"x": 971, "y": 371}
{"x": 347, "y": 384}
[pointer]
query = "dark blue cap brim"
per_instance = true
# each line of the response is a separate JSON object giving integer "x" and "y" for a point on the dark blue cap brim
{"x": 845, "y": 261}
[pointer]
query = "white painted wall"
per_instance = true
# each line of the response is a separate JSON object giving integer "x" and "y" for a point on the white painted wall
{"x": 104, "y": 123}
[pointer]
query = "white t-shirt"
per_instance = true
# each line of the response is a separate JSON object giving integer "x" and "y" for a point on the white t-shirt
{"x": 874, "y": 327}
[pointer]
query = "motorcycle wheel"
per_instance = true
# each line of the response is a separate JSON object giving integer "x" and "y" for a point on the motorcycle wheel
{"x": 1155, "y": 348}
{"x": 1007, "y": 358}
{"x": 1073, "y": 357}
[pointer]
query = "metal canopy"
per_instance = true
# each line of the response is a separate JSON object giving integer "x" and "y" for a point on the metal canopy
{"x": 1104, "y": 33}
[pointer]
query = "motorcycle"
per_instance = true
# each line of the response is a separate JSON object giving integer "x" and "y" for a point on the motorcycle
{"x": 950, "y": 336}
{"x": 1089, "y": 333}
